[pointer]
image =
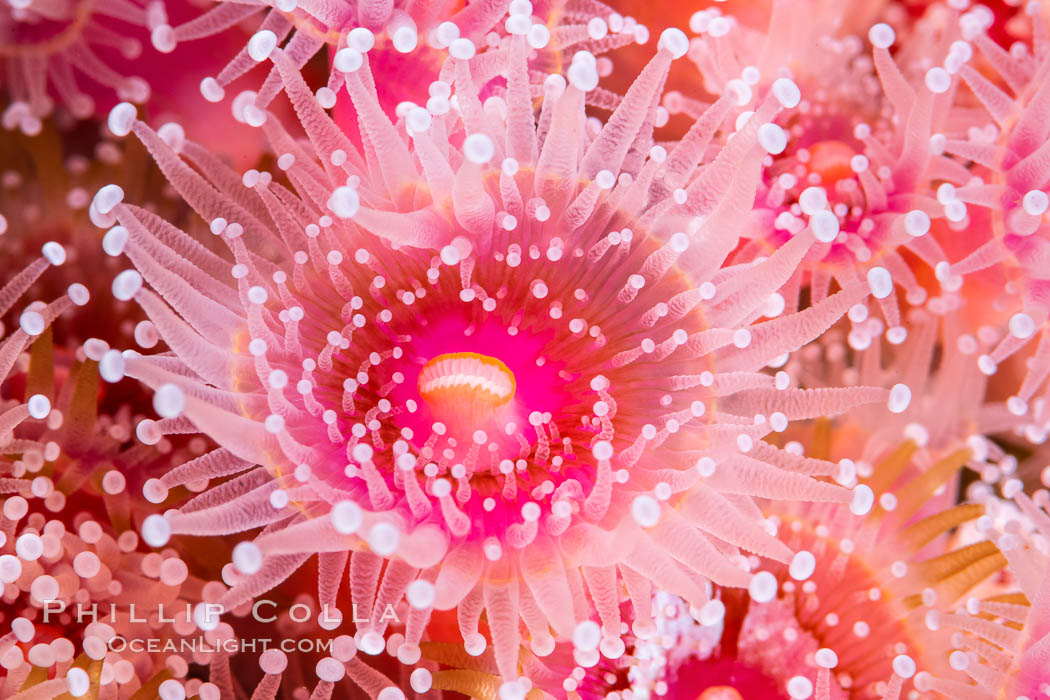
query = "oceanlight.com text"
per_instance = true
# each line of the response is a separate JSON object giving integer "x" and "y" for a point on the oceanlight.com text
{"x": 195, "y": 645}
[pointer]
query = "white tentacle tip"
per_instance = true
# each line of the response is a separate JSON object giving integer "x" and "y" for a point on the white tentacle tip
{"x": 111, "y": 366}
{"x": 211, "y": 90}
{"x": 39, "y": 406}
{"x": 772, "y": 138}
{"x": 127, "y": 284}
{"x": 121, "y": 118}
{"x": 786, "y": 92}
{"x": 675, "y": 41}
{"x": 78, "y": 294}
{"x": 169, "y": 401}
{"x": 78, "y": 682}
{"x": 900, "y": 398}
{"x": 763, "y": 587}
{"x": 478, "y": 148}
{"x": 172, "y": 134}
{"x": 361, "y": 39}
{"x": 156, "y": 531}
{"x": 862, "y": 501}
{"x": 344, "y": 202}
{"x": 880, "y": 281}
{"x": 462, "y": 49}
{"x": 904, "y": 666}
{"x": 826, "y": 658}
{"x": 247, "y": 557}
{"x": 938, "y": 80}
{"x": 405, "y": 39}
{"x": 262, "y": 44}
{"x": 55, "y": 253}
{"x": 348, "y": 60}
{"x": 882, "y": 36}
{"x": 153, "y": 490}
{"x": 646, "y": 510}
{"x": 799, "y": 688}
{"x": 346, "y": 517}
{"x": 163, "y": 38}
{"x": 114, "y": 240}
{"x": 107, "y": 197}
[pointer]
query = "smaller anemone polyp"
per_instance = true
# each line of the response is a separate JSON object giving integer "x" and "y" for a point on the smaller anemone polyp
{"x": 862, "y": 160}
{"x": 51, "y": 43}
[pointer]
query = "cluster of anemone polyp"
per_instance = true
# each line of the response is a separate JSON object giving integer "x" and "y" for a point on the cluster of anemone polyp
{"x": 502, "y": 349}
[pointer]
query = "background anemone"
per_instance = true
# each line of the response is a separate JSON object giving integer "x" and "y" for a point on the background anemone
{"x": 997, "y": 643}
{"x": 862, "y": 161}
{"x": 403, "y": 42}
{"x": 68, "y": 527}
{"x": 53, "y": 42}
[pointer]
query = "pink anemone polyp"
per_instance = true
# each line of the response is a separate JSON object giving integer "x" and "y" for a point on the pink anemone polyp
{"x": 583, "y": 258}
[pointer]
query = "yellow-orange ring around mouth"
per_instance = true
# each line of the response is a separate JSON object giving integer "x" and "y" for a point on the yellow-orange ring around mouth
{"x": 485, "y": 360}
